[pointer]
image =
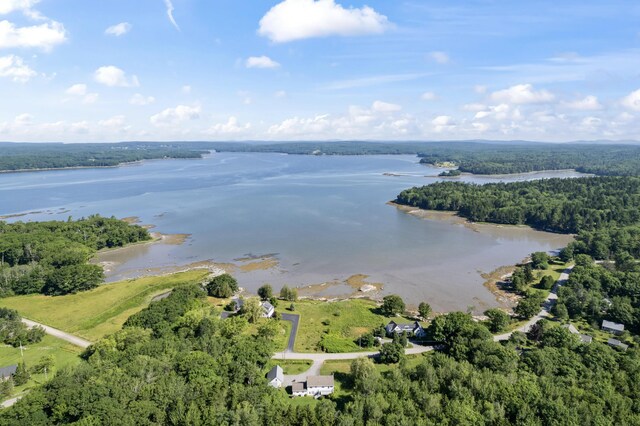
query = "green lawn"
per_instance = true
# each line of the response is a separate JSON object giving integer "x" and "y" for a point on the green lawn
{"x": 65, "y": 354}
{"x": 336, "y": 324}
{"x": 291, "y": 366}
{"x": 96, "y": 313}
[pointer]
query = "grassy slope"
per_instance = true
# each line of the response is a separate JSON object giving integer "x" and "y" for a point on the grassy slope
{"x": 96, "y": 313}
{"x": 64, "y": 353}
{"x": 344, "y": 321}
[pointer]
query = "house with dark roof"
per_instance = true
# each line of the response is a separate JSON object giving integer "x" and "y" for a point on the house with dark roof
{"x": 612, "y": 327}
{"x": 7, "y": 372}
{"x": 615, "y": 343}
{"x": 413, "y": 329}
{"x": 275, "y": 377}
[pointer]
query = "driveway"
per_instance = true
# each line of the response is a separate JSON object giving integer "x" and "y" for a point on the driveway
{"x": 545, "y": 312}
{"x": 295, "y": 320}
{"x": 74, "y": 340}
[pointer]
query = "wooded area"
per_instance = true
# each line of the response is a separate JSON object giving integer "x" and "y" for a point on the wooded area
{"x": 51, "y": 257}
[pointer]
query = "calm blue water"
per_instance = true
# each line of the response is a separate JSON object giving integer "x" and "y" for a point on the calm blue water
{"x": 324, "y": 217}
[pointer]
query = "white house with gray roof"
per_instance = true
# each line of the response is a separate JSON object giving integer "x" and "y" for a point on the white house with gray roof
{"x": 315, "y": 386}
{"x": 275, "y": 377}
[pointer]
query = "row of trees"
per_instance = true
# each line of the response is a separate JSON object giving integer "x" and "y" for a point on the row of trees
{"x": 51, "y": 257}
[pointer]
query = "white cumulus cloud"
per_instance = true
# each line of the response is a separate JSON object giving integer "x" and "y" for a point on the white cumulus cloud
{"x": 292, "y": 20}
{"x": 261, "y": 62}
{"x": 522, "y": 94}
{"x": 119, "y": 29}
{"x": 44, "y": 36}
{"x": 589, "y": 103}
{"x": 176, "y": 115}
{"x": 632, "y": 100}
{"x": 77, "y": 90}
{"x": 113, "y": 76}
{"x": 9, "y": 6}
{"x": 379, "y": 106}
{"x": 231, "y": 127}
{"x": 141, "y": 100}
{"x": 13, "y": 67}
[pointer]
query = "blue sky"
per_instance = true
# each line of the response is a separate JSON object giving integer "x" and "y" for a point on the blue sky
{"x": 75, "y": 71}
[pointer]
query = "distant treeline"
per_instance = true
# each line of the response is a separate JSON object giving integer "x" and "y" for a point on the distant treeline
{"x": 472, "y": 157}
{"x": 51, "y": 257}
{"x": 57, "y": 156}
{"x": 560, "y": 205}
{"x": 477, "y": 157}
{"x": 603, "y": 160}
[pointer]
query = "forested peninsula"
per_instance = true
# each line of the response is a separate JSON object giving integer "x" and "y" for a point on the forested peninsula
{"x": 52, "y": 257}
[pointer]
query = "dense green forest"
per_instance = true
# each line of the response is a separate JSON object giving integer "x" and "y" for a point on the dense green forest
{"x": 595, "y": 292}
{"x": 560, "y": 205}
{"x": 56, "y": 156}
{"x": 51, "y": 257}
{"x": 177, "y": 363}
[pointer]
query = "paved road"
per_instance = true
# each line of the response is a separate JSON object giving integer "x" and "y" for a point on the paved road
{"x": 319, "y": 359}
{"x": 74, "y": 340}
{"x": 546, "y": 307}
{"x": 295, "y": 320}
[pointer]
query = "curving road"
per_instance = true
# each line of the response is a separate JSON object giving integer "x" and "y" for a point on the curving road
{"x": 74, "y": 340}
{"x": 545, "y": 312}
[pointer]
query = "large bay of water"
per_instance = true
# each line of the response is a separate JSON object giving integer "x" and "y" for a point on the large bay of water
{"x": 325, "y": 218}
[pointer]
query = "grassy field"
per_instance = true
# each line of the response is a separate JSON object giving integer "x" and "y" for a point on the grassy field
{"x": 64, "y": 354}
{"x": 96, "y": 313}
{"x": 291, "y": 366}
{"x": 336, "y": 324}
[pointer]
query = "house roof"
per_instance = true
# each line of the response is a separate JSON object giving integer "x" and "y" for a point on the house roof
{"x": 297, "y": 387}
{"x": 571, "y": 328}
{"x": 617, "y": 343}
{"x": 276, "y": 373}
{"x": 586, "y": 338}
{"x": 319, "y": 381}
{"x": 8, "y": 371}
{"x": 267, "y": 306}
{"x": 612, "y": 325}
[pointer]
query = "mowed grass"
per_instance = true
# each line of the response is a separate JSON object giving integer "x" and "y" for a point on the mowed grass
{"x": 96, "y": 313}
{"x": 338, "y": 323}
{"x": 65, "y": 355}
{"x": 291, "y": 366}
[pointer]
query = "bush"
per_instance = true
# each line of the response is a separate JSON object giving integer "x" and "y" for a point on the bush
{"x": 391, "y": 353}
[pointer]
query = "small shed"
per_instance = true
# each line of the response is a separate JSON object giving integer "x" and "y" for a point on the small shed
{"x": 275, "y": 377}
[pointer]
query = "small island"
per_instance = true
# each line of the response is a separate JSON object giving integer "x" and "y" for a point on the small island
{"x": 450, "y": 173}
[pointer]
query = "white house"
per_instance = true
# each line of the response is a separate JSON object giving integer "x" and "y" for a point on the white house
{"x": 267, "y": 310}
{"x": 315, "y": 386}
{"x": 414, "y": 329}
{"x": 275, "y": 377}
